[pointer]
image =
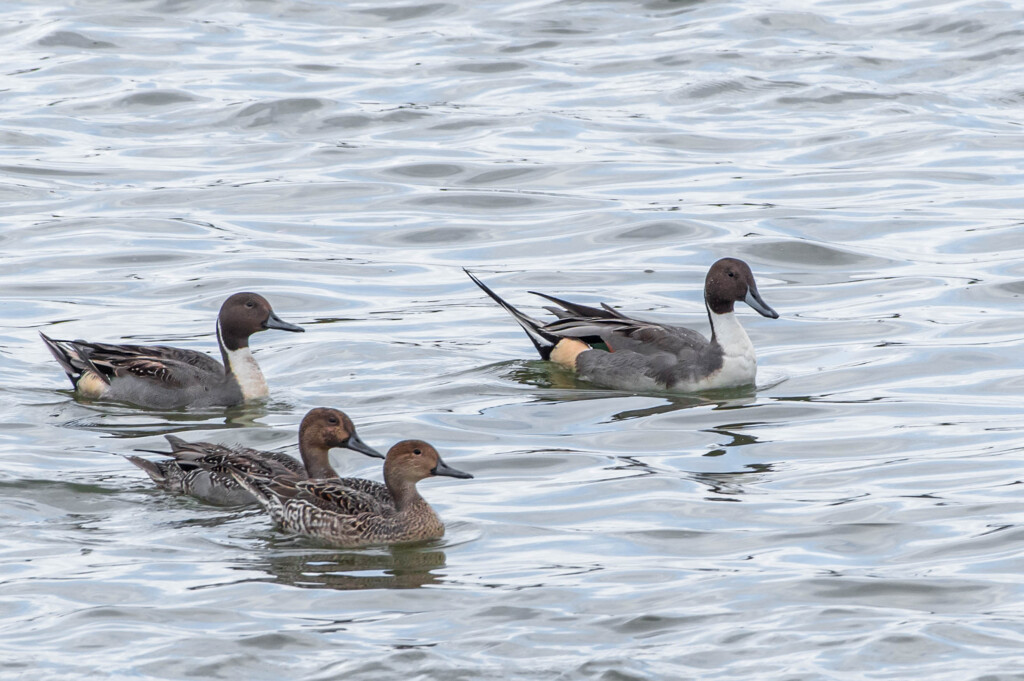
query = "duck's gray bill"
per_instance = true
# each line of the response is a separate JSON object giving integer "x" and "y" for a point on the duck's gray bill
{"x": 357, "y": 445}
{"x": 444, "y": 469}
{"x": 753, "y": 299}
{"x": 275, "y": 322}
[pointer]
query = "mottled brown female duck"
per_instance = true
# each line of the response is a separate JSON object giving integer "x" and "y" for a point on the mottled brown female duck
{"x": 347, "y": 517}
{"x": 163, "y": 377}
{"x": 200, "y": 468}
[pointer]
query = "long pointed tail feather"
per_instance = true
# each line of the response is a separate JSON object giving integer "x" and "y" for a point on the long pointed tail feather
{"x": 256, "y": 486}
{"x": 575, "y": 309}
{"x": 62, "y": 355}
{"x": 542, "y": 340}
{"x": 152, "y": 469}
{"x": 176, "y": 442}
{"x": 73, "y": 357}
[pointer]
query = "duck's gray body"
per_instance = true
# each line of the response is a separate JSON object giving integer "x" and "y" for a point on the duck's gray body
{"x": 193, "y": 470}
{"x": 643, "y": 355}
{"x": 164, "y": 377}
{"x": 155, "y": 376}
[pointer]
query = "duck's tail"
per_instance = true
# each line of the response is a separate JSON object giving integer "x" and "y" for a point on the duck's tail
{"x": 63, "y": 352}
{"x": 544, "y": 341}
{"x": 73, "y": 359}
{"x": 153, "y": 469}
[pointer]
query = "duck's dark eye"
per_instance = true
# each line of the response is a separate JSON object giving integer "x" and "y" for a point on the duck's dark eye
{"x": 416, "y": 452}
{"x": 731, "y": 274}
{"x": 252, "y": 304}
{"x": 333, "y": 420}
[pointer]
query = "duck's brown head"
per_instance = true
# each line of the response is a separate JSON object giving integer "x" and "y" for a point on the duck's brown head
{"x": 410, "y": 461}
{"x": 729, "y": 281}
{"x": 324, "y": 428}
{"x": 244, "y": 314}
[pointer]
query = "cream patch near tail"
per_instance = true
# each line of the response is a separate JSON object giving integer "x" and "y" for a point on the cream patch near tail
{"x": 566, "y": 352}
{"x": 91, "y": 385}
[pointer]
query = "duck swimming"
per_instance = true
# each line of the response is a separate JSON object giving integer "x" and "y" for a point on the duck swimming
{"x": 199, "y": 468}
{"x": 163, "y": 377}
{"x": 645, "y": 355}
{"x": 347, "y": 517}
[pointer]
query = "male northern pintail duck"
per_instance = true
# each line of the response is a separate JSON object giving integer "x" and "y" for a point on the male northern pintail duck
{"x": 347, "y": 517}
{"x": 645, "y": 355}
{"x": 198, "y": 468}
{"x": 163, "y": 377}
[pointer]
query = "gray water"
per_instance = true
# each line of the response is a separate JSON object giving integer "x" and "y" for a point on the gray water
{"x": 858, "y": 515}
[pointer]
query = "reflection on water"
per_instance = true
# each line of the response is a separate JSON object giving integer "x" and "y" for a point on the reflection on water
{"x": 561, "y": 385}
{"x": 119, "y": 420}
{"x": 736, "y": 437}
{"x": 732, "y": 485}
{"x": 397, "y": 567}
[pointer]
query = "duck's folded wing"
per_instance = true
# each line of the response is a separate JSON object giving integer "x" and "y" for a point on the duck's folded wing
{"x": 286, "y": 464}
{"x": 175, "y": 367}
{"x": 225, "y": 461}
{"x": 330, "y": 495}
{"x": 116, "y": 352}
{"x": 623, "y": 333}
{"x": 372, "y": 488}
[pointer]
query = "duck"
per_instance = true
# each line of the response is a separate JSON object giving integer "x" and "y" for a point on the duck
{"x": 639, "y": 355}
{"x": 163, "y": 377}
{"x": 346, "y": 517}
{"x": 199, "y": 469}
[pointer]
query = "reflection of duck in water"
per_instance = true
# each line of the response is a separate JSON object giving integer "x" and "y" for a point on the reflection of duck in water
{"x": 650, "y": 356}
{"x": 346, "y": 515}
{"x": 197, "y": 467}
{"x": 163, "y": 377}
{"x": 393, "y": 568}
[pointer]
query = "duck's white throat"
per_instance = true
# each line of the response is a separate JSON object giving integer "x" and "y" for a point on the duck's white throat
{"x": 739, "y": 363}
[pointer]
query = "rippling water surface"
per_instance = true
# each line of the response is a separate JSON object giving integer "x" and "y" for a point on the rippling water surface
{"x": 858, "y": 515}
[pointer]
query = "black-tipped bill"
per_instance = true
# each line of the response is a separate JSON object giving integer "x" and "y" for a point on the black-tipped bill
{"x": 275, "y": 322}
{"x": 444, "y": 469}
{"x": 357, "y": 445}
{"x": 753, "y": 299}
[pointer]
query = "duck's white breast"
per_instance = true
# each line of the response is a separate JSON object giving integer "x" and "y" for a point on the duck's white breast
{"x": 739, "y": 362}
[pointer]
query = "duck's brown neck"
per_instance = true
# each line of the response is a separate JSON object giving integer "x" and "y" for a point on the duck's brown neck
{"x": 316, "y": 460}
{"x": 230, "y": 340}
{"x": 240, "y": 368}
{"x": 404, "y": 493}
{"x": 718, "y": 304}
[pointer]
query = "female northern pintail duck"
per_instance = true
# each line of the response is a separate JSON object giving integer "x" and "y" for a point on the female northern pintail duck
{"x": 163, "y": 377}
{"x": 347, "y": 517}
{"x": 198, "y": 468}
{"x": 650, "y": 356}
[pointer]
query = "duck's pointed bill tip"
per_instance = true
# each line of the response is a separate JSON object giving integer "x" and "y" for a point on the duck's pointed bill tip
{"x": 357, "y": 445}
{"x": 275, "y": 322}
{"x": 444, "y": 469}
{"x": 754, "y": 300}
